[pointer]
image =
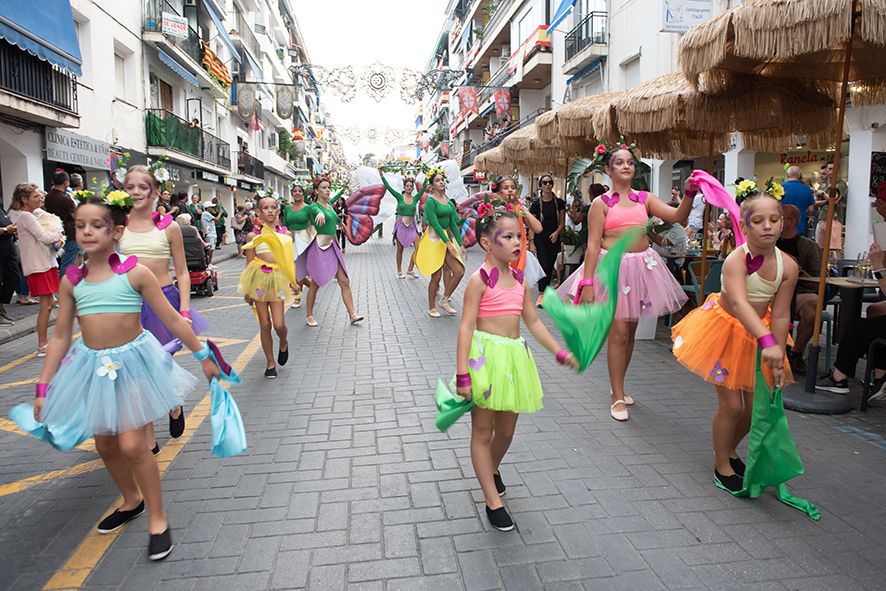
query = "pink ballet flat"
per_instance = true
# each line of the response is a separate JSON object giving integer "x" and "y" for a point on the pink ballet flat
{"x": 618, "y": 415}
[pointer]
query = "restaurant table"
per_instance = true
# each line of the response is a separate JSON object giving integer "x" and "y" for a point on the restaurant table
{"x": 851, "y": 299}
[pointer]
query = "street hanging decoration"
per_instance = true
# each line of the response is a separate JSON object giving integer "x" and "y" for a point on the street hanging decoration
{"x": 246, "y": 101}
{"x": 285, "y": 100}
{"x": 468, "y": 100}
{"x": 340, "y": 81}
{"x": 502, "y": 101}
{"x": 370, "y": 134}
{"x": 377, "y": 80}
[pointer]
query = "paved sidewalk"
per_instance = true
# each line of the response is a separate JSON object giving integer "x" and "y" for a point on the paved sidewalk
{"x": 26, "y": 316}
{"x": 347, "y": 484}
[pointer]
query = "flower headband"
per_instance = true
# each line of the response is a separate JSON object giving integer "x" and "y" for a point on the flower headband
{"x": 603, "y": 152}
{"x": 495, "y": 184}
{"x": 748, "y": 187}
{"x": 319, "y": 179}
{"x": 118, "y": 199}
{"x": 436, "y": 170}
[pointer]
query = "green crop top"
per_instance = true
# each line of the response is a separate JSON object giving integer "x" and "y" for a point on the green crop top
{"x": 111, "y": 296}
{"x": 329, "y": 226}
{"x": 404, "y": 209}
{"x": 442, "y": 217}
{"x": 297, "y": 220}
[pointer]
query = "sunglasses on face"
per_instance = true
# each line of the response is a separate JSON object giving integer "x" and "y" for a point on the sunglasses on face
{"x": 547, "y": 182}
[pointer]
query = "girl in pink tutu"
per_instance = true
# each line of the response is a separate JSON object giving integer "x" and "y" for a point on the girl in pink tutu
{"x": 647, "y": 289}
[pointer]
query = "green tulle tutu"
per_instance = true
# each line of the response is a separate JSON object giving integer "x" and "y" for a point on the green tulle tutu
{"x": 503, "y": 374}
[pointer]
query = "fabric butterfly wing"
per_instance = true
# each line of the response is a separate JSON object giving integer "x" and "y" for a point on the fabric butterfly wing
{"x": 362, "y": 205}
{"x": 467, "y": 213}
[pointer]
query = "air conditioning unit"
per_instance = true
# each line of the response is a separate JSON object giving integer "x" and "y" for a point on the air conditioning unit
{"x": 272, "y": 139}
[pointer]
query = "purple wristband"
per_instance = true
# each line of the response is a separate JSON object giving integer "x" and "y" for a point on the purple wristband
{"x": 767, "y": 340}
{"x": 41, "y": 389}
{"x": 562, "y": 356}
{"x": 462, "y": 380}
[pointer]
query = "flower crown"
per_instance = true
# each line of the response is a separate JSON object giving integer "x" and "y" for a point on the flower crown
{"x": 603, "y": 152}
{"x": 495, "y": 184}
{"x": 118, "y": 199}
{"x": 409, "y": 179}
{"x": 315, "y": 181}
{"x": 748, "y": 187}
{"x": 436, "y": 170}
{"x": 487, "y": 211}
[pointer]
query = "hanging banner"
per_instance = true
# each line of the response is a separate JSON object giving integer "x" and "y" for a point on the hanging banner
{"x": 217, "y": 69}
{"x": 502, "y": 101}
{"x": 444, "y": 149}
{"x": 467, "y": 98}
{"x": 297, "y": 134}
{"x": 285, "y": 98}
{"x": 678, "y": 16}
{"x": 246, "y": 101}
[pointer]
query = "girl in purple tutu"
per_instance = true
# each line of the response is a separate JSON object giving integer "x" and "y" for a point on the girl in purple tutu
{"x": 405, "y": 230}
{"x": 156, "y": 240}
{"x": 323, "y": 259}
{"x": 647, "y": 288}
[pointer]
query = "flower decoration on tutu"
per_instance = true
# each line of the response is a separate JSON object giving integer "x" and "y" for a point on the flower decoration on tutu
{"x": 719, "y": 373}
{"x": 678, "y": 342}
{"x": 108, "y": 368}
{"x": 650, "y": 261}
{"x": 645, "y": 307}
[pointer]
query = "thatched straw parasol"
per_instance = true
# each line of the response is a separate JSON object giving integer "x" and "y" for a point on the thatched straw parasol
{"x": 531, "y": 154}
{"x": 831, "y": 40}
{"x": 494, "y": 161}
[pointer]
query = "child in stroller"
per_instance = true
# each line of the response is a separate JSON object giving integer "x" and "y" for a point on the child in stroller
{"x": 204, "y": 278}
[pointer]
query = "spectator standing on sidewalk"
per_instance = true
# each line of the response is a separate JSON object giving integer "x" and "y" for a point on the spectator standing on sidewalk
{"x": 38, "y": 257}
{"x": 59, "y": 203}
{"x": 9, "y": 265}
{"x": 798, "y": 194}
{"x": 808, "y": 256}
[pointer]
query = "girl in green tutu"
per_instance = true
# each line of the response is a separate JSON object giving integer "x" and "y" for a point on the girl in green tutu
{"x": 494, "y": 365}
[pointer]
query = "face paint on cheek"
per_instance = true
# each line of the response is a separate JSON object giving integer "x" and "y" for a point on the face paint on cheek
{"x": 109, "y": 225}
{"x": 496, "y": 237}
{"x": 747, "y": 218}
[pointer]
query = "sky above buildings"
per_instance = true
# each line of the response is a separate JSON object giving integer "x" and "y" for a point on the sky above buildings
{"x": 395, "y": 33}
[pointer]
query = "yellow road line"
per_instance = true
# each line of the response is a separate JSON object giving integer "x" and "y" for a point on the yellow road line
{"x": 221, "y": 297}
{"x": 93, "y": 547}
{"x": 25, "y": 358}
{"x": 20, "y": 383}
{"x": 241, "y": 305}
{"x": 26, "y": 483}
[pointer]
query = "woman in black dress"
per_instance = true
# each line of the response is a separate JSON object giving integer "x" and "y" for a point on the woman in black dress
{"x": 551, "y": 211}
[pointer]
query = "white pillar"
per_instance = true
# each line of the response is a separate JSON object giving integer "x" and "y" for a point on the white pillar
{"x": 738, "y": 162}
{"x": 662, "y": 179}
{"x": 858, "y": 204}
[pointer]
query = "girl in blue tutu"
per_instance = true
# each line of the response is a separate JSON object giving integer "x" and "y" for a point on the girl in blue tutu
{"x": 494, "y": 366}
{"x": 115, "y": 381}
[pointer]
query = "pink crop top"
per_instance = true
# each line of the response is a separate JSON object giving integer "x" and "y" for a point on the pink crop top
{"x": 498, "y": 300}
{"x": 625, "y": 217}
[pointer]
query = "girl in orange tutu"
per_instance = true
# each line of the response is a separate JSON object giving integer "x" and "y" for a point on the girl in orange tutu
{"x": 718, "y": 341}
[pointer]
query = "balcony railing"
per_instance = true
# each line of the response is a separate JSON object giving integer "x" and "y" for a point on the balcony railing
{"x": 245, "y": 33}
{"x": 590, "y": 30}
{"x": 154, "y": 10}
{"x": 249, "y": 165}
{"x": 167, "y": 130}
{"x": 468, "y": 157}
{"x": 28, "y": 76}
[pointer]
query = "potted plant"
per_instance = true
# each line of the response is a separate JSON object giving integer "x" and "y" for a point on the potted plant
{"x": 571, "y": 246}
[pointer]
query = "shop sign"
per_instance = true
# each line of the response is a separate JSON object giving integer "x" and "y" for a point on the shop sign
{"x": 246, "y": 186}
{"x": 678, "y": 16}
{"x": 878, "y": 171}
{"x": 798, "y": 158}
{"x": 479, "y": 175}
{"x": 229, "y": 181}
{"x": 71, "y": 148}
{"x": 174, "y": 25}
{"x": 208, "y": 176}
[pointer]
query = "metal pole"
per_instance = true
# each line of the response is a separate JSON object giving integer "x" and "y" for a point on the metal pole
{"x": 808, "y": 400}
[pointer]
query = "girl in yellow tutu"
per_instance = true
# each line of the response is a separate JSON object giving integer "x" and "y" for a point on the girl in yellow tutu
{"x": 718, "y": 341}
{"x": 268, "y": 281}
{"x": 440, "y": 248}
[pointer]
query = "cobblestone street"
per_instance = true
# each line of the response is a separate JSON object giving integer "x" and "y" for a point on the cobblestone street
{"x": 348, "y": 484}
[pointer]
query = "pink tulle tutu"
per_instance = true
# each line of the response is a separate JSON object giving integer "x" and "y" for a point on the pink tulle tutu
{"x": 645, "y": 286}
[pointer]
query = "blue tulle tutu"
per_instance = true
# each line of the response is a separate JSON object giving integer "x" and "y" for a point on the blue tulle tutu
{"x": 110, "y": 391}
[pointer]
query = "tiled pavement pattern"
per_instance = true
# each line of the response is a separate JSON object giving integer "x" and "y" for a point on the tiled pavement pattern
{"x": 347, "y": 484}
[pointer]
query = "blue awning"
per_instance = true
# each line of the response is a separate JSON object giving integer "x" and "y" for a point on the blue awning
{"x": 562, "y": 13}
{"x": 216, "y": 16}
{"x": 44, "y": 28}
{"x": 255, "y": 67}
{"x": 178, "y": 68}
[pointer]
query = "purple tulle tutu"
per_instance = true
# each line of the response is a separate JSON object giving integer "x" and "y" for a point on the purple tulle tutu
{"x": 320, "y": 264}
{"x": 645, "y": 286}
{"x": 406, "y": 235}
{"x": 152, "y": 323}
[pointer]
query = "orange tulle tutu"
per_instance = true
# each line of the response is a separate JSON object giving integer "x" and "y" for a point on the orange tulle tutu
{"x": 715, "y": 345}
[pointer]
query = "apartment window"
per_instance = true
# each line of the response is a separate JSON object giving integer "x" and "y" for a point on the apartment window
{"x": 124, "y": 73}
{"x": 120, "y": 75}
{"x": 525, "y": 27}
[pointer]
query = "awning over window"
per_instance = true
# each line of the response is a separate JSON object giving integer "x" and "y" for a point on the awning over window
{"x": 562, "y": 13}
{"x": 216, "y": 16}
{"x": 178, "y": 68}
{"x": 44, "y": 28}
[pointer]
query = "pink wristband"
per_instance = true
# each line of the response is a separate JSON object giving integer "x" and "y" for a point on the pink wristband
{"x": 185, "y": 314}
{"x": 562, "y": 356}
{"x": 581, "y": 285}
{"x": 41, "y": 389}
{"x": 462, "y": 380}
{"x": 767, "y": 340}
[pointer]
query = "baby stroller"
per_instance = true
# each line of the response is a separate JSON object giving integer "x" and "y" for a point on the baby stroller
{"x": 204, "y": 279}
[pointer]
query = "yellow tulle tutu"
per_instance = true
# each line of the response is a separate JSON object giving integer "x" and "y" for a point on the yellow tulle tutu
{"x": 265, "y": 282}
{"x": 430, "y": 254}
